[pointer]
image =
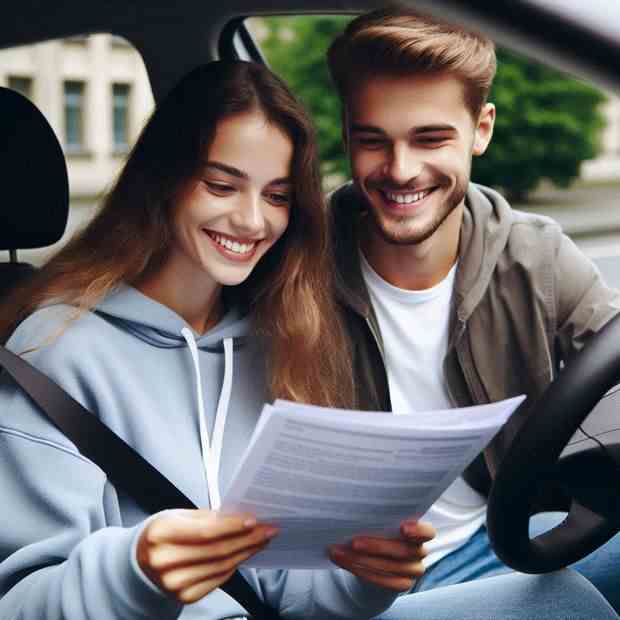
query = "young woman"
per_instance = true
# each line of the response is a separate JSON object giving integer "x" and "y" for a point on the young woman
{"x": 198, "y": 292}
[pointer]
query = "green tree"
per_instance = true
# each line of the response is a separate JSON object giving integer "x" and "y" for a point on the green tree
{"x": 295, "y": 49}
{"x": 547, "y": 123}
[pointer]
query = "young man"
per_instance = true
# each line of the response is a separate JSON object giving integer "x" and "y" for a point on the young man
{"x": 452, "y": 298}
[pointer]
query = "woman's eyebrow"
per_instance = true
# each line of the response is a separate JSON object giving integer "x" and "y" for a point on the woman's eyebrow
{"x": 281, "y": 181}
{"x": 235, "y": 172}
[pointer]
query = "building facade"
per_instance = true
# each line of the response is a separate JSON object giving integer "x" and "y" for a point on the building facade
{"x": 95, "y": 93}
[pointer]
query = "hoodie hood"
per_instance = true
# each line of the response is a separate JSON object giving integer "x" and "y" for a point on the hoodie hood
{"x": 487, "y": 220}
{"x": 158, "y": 325}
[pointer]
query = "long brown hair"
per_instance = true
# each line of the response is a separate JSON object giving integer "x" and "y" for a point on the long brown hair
{"x": 289, "y": 293}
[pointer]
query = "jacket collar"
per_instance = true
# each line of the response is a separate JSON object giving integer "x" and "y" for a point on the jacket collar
{"x": 346, "y": 207}
{"x": 487, "y": 220}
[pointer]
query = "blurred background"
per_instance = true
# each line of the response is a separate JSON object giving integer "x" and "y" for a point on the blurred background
{"x": 555, "y": 150}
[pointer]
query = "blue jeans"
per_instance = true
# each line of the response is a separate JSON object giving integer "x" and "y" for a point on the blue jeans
{"x": 473, "y": 584}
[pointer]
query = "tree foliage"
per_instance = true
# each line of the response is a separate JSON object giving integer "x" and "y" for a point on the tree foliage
{"x": 295, "y": 49}
{"x": 547, "y": 123}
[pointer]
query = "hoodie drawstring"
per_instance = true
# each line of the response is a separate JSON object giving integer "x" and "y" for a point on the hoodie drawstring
{"x": 212, "y": 450}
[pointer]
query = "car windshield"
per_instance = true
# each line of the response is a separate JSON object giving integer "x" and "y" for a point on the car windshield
{"x": 556, "y": 148}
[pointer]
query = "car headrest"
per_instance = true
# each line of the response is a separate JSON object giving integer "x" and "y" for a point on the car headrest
{"x": 34, "y": 187}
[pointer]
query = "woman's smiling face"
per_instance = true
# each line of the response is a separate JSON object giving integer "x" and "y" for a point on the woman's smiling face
{"x": 238, "y": 205}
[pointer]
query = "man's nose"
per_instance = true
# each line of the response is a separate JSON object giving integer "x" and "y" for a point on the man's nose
{"x": 404, "y": 164}
{"x": 248, "y": 219}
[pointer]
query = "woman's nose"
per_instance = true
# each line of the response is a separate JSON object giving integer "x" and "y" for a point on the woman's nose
{"x": 248, "y": 218}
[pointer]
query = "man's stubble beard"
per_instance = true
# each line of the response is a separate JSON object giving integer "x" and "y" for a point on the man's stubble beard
{"x": 389, "y": 235}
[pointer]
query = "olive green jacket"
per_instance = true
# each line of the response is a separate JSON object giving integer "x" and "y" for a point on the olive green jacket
{"x": 525, "y": 300}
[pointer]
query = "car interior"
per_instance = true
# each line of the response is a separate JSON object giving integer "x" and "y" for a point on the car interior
{"x": 576, "y": 441}
{"x": 25, "y": 224}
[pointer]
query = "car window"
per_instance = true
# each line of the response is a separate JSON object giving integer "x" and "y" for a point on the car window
{"x": 95, "y": 93}
{"x": 307, "y": 38}
{"x": 555, "y": 150}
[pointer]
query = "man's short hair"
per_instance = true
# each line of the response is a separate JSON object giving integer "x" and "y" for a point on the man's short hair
{"x": 399, "y": 42}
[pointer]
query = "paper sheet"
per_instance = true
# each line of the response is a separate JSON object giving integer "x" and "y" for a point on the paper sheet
{"x": 325, "y": 475}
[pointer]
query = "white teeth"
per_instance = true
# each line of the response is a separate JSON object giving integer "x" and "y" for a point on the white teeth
{"x": 233, "y": 246}
{"x": 407, "y": 198}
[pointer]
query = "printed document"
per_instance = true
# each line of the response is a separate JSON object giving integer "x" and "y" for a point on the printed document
{"x": 325, "y": 475}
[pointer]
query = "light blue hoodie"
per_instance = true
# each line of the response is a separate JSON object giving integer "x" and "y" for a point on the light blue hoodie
{"x": 67, "y": 536}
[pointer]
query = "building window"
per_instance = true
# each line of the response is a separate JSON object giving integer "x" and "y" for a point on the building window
{"x": 120, "y": 117}
{"x": 22, "y": 85}
{"x": 74, "y": 117}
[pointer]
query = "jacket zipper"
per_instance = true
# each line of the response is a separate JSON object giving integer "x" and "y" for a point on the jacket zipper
{"x": 458, "y": 336}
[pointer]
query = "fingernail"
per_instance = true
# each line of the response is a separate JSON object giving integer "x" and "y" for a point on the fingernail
{"x": 410, "y": 527}
{"x": 270, "y": 532}
{"x": 251, "y": 522}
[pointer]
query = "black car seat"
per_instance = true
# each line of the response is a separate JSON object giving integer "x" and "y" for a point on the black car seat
{"x": 34, "y": 203}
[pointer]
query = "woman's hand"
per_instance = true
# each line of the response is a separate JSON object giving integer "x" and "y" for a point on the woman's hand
{"x": 390, "y": 563}
{"x": 189, "y": 553}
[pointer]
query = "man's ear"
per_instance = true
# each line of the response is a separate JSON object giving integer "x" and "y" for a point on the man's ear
{"x": 484, "y": 129}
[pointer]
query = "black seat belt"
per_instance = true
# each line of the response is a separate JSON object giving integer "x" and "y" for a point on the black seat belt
{"x": 125, "y": 468}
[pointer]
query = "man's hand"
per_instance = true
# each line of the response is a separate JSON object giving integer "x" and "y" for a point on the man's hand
{"x": 390, "y": 563}
{"x": 189, "y": 553}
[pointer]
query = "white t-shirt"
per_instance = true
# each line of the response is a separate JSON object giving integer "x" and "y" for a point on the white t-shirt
{"x": 414, "y": 328}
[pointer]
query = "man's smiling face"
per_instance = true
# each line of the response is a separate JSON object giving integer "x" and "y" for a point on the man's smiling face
{"x": 411, "y": 141}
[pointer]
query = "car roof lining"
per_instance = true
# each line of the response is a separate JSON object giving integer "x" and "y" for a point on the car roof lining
{"x": 192, "y": 29}
{"x": 132, "y": 19}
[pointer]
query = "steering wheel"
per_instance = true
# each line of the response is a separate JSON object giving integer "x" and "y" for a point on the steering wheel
{"x": 590, "y": 475}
